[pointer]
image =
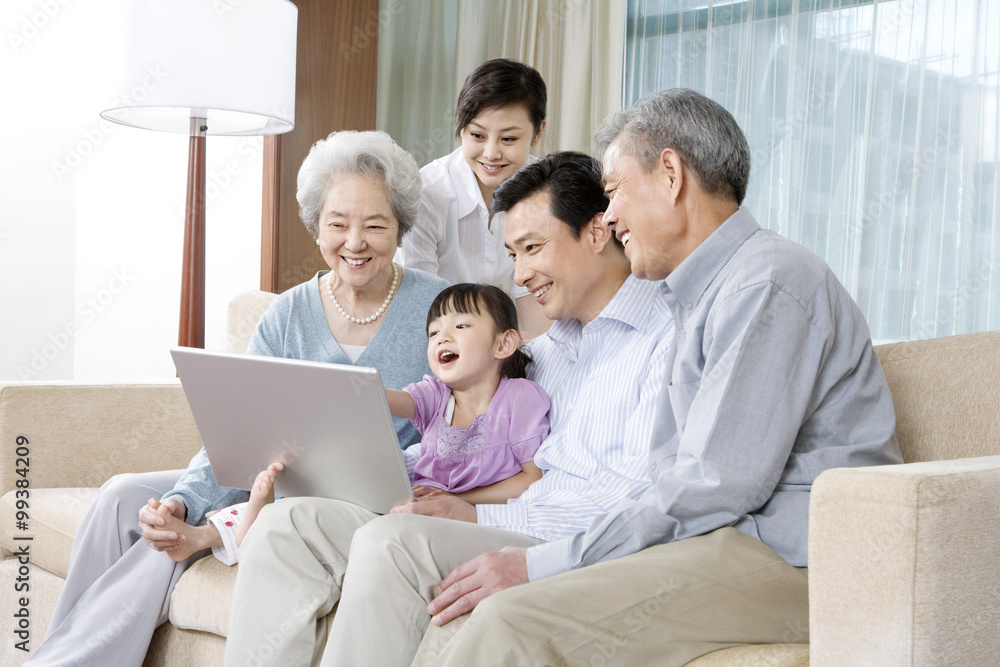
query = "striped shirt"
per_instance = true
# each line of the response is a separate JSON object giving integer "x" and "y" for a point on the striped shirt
{"x": 774, "y": 381}
{"x": 603, "y": 380}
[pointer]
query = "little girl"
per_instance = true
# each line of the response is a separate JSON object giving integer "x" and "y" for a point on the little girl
{"x": 481, "y": 420}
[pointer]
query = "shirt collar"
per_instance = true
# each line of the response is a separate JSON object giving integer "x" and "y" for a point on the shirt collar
{"x": 635, "y": 305}
{"x": 689, "y": 281}
{"x": 466, "y": 186}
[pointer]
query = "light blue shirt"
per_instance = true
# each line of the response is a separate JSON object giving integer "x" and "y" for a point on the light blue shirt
{"x": 603, "y": 380}
{"x": 773, "y": 380}
{"x": 295, "y": 327}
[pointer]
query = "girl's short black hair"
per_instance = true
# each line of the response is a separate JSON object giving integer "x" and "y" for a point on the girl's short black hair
{"x": 499, "y": 83}
{"x": 483, "y": 300}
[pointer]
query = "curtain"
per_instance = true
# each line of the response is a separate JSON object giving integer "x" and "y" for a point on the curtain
{"x": 427, "y": 48}
{"x": 874, "y": 128}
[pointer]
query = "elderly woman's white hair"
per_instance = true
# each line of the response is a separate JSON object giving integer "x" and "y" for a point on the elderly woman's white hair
{"x": 351, "y": 153}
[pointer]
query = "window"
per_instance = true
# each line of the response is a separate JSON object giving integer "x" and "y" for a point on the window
{"x": 874, "y": 135}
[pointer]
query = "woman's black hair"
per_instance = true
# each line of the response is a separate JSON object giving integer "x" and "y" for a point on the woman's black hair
{"x": 500, "y": 83}
{"x": 476, "y": 298}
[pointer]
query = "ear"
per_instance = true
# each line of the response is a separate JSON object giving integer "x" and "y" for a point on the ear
{"x": 507, "y": 343}
{"x": 599, "y": 232}
{"x": 538, "y": 135}
{"x": 672, "y": 169}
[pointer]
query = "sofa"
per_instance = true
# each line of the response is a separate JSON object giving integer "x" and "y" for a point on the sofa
{"x": 903, "y": 560}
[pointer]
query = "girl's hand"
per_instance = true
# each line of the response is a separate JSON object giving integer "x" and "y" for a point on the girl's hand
{"x": 420, "y": 492}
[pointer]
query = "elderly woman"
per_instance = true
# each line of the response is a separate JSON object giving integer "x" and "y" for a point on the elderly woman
{"x": 358, "y": 194}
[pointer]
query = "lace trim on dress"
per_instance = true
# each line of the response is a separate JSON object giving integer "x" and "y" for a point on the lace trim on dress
{"x": 454, "y": 441}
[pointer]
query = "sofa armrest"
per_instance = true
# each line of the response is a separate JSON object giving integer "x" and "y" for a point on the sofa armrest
{"x": 903, "y": 565}
{"x": 79, "y": 435}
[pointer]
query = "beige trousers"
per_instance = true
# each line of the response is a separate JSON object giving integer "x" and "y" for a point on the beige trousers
{"x": 292, "y": 565}
{"x": 397, "y": 561}
{"x": 665, "y": 605}
{"x": 304, "y": 555}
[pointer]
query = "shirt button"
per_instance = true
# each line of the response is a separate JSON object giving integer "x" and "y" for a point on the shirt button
{"x": 652, "y": 467}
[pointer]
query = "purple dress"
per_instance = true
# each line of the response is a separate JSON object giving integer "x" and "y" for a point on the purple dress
{"x": 491, "y": 449}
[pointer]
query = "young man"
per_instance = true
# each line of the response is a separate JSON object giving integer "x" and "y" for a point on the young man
{"x": 773, "y": 379}
{"x": 602, "y": 364}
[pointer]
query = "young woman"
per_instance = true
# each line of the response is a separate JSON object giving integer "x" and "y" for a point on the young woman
{"x": 500, "y": 115}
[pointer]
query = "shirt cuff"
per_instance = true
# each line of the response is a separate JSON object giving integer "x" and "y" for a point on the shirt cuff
{"x": 509, "y": 517}
{"x": 548, "y": 559}
{"x": 227, "y": 521}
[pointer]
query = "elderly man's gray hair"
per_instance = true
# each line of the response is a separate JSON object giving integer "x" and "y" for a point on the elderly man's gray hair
{"x": 705, "y": 135}
{"x": 351, "y": 153}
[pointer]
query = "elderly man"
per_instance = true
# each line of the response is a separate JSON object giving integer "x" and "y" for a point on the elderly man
{"x": 773, "y": 379}
{"x": 602, "y": 364}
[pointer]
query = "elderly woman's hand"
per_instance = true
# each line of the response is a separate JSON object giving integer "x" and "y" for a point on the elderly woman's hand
{"x": 153, "y": 517}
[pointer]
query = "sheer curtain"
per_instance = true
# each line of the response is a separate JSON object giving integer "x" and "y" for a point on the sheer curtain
{"x": 426, "y": 49}
{"x": 874, "y": 134}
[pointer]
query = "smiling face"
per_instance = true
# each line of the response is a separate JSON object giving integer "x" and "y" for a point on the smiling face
{"x": 556, "y": 267}
{"x": 358, "y": 233}
{"x": 643, "y": 215}
{"x": 495, "y": 144}
{"x": 464, "y": 349}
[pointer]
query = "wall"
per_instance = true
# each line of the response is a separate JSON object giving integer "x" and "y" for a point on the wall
{"x": 91, "y": 213}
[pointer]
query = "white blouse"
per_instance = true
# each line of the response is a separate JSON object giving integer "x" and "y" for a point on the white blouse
{"x": 453, "y": 237}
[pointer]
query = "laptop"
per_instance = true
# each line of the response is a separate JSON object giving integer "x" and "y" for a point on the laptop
{"x": 328, "y": 423}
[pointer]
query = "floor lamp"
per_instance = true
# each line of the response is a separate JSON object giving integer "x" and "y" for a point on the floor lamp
{"x": 206, "y": 68}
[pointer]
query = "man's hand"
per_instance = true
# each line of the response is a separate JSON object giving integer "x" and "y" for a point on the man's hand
{"x": 441, "y": 505}
{"x": 473, "y": 582}
{"x": 152, "y": 519}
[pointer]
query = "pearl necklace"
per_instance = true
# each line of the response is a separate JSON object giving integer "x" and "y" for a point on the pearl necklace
{"x": 378, "y": 313}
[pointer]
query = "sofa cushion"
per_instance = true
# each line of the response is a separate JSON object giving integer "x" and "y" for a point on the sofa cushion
{"x": 53, "y": 516}
{"x": 756, "y": 655}
{"x": 201, "y": 600}
{"x": 203, "y": 596}
{"x": 244, "y": 312}
{"x": 173, "y": 647}
{"x": 944, "y": 410}
{"x": 45, "y": 589}
{"x": 81, "y": 435}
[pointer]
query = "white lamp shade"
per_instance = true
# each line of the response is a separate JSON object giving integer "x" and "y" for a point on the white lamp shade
{"x": 230, "y": 62}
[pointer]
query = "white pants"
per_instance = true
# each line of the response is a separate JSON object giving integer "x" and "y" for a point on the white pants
{"x": 304, "y": 555}
{"x": 117, "y": 590}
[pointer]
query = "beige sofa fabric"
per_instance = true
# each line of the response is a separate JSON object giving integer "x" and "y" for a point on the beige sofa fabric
{"x": 80, "y": 435}
{"x": 947, "y": 393}
{"x": 244, "y": 312}
{"x": 174, "y": 647}
{"x": 903, "y": 564}
{"x": 44, "y": 592}
{"x": 203, "y": 597}
{"x": 54, "y": 516}
{"x": 773, "y": 655}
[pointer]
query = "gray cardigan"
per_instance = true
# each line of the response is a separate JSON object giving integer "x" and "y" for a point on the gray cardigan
{"x": 294, "y": 327}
